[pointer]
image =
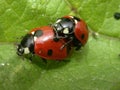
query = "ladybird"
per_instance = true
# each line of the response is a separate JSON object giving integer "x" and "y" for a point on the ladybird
{"x": 73, "y": 29}
{"x": 40, "y": 41}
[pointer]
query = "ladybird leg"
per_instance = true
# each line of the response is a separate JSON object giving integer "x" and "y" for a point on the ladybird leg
{"x": 57, "y": 38}
{"x": 31, "y": 57}
{"x": 60, "y": 37}
{"x": 78, "y": 47}
{"x": 66, "y": 43}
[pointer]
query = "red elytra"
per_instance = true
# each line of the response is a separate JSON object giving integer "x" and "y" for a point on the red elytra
{"x": 80, "y": 30}
{"x": 67, "y": 16}
{"x": 46, "y": 47}
{"x": 41, "y": 41}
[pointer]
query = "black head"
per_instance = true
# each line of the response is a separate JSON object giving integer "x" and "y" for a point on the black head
{"x": 26, "y": 46}
{"x": 64, "y": 26}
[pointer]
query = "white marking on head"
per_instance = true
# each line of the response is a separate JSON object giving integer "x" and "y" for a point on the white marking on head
{"x": 32, "y": 32}
{"x": 58, "y": 20}
{"x": 26, "y": 50}
{"x": 55, "y": 24}
{"x": 66, "y": 31}
{"x": 35, "y": 38}
{"x": 75, "y": 21}
{"x": 71, "y": 16}
{"x": 20, "y": 49}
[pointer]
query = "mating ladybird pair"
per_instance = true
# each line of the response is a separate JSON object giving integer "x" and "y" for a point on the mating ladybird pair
{"x": 55, "y": 41}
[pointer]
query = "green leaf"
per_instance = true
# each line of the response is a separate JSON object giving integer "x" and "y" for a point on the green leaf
{"x": 95, "y": 67}
{"x": 99, "y": 15}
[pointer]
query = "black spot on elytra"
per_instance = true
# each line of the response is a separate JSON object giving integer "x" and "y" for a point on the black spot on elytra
{"x": 50, "y": 52}
{"x": 117, "y": 15}
{"x": 82, "y": 36}
{"x": 38, "y": 33}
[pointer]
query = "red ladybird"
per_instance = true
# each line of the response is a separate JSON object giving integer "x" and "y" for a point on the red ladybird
{"x": 40, "y": 41}
{"x": 55, "y": 42}
{"x": 73, "y": 29}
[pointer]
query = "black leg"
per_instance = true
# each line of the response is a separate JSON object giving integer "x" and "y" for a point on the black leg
{"x": 67, "y": 43}
{"x": 78, "y": 47}
{"x": 31, "y": 57}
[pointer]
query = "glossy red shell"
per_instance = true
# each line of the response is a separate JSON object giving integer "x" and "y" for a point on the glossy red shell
{"x": 81, "y": 30}
{"x": 45, "y": 45}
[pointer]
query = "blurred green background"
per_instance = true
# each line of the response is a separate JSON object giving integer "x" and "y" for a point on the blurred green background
{"x": 95, "y": 67}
